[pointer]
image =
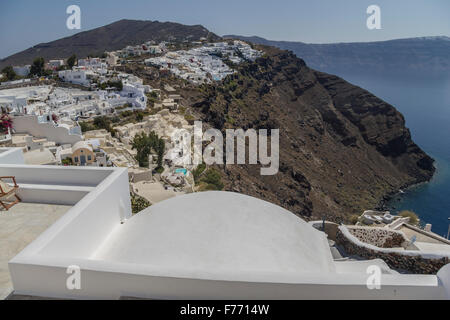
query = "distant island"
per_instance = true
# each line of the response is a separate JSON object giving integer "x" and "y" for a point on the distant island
{"x": 418, "y": 57}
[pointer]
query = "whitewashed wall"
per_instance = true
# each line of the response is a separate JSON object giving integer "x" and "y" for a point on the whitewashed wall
{"x": 11, "y": 156}
{"x": 30, "y": 125}
{"x": 105, "y": 280}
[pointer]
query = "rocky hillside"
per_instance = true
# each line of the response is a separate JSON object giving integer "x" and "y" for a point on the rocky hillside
{"x": 342, "y": 150}
{"x": 114, "y": 36}
{"x": 417, "y": 57}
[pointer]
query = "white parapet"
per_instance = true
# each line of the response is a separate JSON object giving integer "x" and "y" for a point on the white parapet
{"x": 58, "y": 134}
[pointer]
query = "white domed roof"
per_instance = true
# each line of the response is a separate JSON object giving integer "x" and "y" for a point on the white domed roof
{"x": 220, "y": 235}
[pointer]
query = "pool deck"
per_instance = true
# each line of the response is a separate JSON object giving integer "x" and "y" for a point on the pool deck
{"x": 19, "y": 226}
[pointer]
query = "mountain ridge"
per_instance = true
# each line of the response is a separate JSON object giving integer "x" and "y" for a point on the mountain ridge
{"x": 114, "y": 36}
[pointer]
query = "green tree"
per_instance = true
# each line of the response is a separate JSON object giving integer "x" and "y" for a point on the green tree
{"x": 139, "y": 116}
{"x": 9, "y": 73}
{"x": 86, "y": 126}
{"x": 117, "y": 84}
{"x": 71, "y": 61}
{"x": 141, "y": 143}
{"x": 102, "y": 123}
{"x": 145, "y": 144}
{"x": 212, "y": 179}
{"x": 160, "y": 147}
{"x": 198, "y": 171}
{"x": 37, "y": 68}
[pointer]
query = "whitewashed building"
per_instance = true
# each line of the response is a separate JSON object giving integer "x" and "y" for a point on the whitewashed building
{"x": 208, "y": 245}
{"x": 22, "y": 70}
{"x": 76, "y": 76}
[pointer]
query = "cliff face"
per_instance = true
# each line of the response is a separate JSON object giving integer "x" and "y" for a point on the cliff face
{"x": 341, "y": 148}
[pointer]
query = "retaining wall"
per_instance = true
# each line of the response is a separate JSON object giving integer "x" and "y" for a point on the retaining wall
{"x": 409, "y": 260}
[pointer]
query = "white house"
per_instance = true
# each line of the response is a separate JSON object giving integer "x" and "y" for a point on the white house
{"x": 76, "y": 76}
{"x": 54, "y": 64}
{"x": 90, "y": 62}
{"x": 22, "y": 70}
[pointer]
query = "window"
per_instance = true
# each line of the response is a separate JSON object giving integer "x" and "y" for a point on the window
{"x": 76, "y": 159}
{"x": 89, "y": 158}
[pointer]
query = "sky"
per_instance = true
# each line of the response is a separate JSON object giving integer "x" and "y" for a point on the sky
{"x": 27, "y": 23}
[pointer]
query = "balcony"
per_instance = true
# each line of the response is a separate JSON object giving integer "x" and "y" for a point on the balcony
{"x": 66, "y": 213}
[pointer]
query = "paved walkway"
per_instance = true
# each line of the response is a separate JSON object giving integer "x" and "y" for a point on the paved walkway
{"x": 19, "y": 226}
{"x": 154, "y": 191}
{"x": 419, "y": 236}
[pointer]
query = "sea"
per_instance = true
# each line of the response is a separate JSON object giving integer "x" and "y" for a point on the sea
{"x": 425, "y": 104}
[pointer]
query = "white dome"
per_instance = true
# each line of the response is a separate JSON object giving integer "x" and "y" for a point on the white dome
{"x": 220, "y": 235}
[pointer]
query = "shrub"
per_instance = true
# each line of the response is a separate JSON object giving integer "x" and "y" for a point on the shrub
{"x": 198, "y": 171}
{"x": 9, "y": 73}
{"x": 189, "y": 118}
{"x": 413, "y": 218}
{"x": 353, "y": 219}
{"x": 138, "y": 203}
{"x": 212, "y": 179}
{"x": 86, "y": 126}
{"x": 67, "y": 161}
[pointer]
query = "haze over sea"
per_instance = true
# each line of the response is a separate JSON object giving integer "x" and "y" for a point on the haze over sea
{"x": 425, "y": 104}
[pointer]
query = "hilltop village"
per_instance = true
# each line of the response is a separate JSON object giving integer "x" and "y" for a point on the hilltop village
{"x": 91, "y": 112}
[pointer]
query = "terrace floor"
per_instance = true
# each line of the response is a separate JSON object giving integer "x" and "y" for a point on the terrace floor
{"x": 19, "y": 226}
{"x": 420, "y": 237}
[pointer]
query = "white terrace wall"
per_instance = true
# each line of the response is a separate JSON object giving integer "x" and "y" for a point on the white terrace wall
{"x": 444, "y": 279}
{"x": 109, "y": 280}
{"x": 82, "y": 230}
{"x": 30, "y": 125}
{"x": 11, "y": 156}
{"x": 53, "y": 184}
{"x": 93, "y": 219}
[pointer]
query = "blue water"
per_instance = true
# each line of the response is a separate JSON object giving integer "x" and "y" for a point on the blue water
{"x": 425, "y": 104}
{"x": 183, "y": 171}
